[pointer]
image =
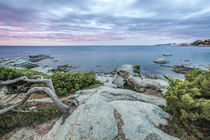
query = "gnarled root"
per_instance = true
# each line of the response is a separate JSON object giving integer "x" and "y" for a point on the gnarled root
{"x": 64, "y": 109}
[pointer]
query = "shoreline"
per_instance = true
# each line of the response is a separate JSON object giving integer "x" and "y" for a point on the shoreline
{"x": 32, "y": 63}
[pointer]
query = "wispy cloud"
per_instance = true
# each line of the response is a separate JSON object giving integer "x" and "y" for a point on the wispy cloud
{"x": 68, "y": 22}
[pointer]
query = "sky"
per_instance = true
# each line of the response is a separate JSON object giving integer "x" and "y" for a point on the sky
{"x": 103, "y": 22}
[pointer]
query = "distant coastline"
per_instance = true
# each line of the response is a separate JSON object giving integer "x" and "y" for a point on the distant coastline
{"x": 197, "y": 43}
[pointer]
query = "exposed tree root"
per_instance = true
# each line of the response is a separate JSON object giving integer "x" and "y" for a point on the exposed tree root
{"x": 64, "y": 109}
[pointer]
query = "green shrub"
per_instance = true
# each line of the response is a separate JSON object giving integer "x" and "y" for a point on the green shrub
{"x": 70, "y": 82}
{"x": 137, "y": 66}
{"x": 12, "y": 120}
{"x": 64, "y": 83}
{"x": 189, "y": 101}
{"x": 7, "y": 73}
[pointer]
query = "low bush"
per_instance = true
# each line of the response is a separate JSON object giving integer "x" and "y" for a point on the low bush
{"x": 7, "y": 73}
{"x": 70, "y": 82}
{"x": 12, "y": 120}
{"x": 64, "y": 83}
{"x": 189, "y": 101}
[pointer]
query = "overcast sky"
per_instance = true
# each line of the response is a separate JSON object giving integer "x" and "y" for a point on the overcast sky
{"x": 103, "y": 22}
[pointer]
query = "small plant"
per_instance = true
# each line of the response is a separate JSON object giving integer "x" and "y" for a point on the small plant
{"x": 136, "y": 68}
{"x": 189, "y": 101}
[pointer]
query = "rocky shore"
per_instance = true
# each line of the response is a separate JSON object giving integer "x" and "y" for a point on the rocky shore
{"x": 109, "y": 112}
{"x": 30, "y": 63}
{"x": 128, "y": 106}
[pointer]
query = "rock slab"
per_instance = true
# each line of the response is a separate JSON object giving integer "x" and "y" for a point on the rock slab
{"x": 108, "y": 113}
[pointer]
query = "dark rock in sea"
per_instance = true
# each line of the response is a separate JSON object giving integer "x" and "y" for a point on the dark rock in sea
{"x": 38, "y": 57}
{"x": 18, "y": 62}
{"x": 55, "y": 60}
{"x": 182, "y": 69}
{"x": 161, "y": 61}
{"x": 167, "y": 55}
{"x": 63, "y": 68}
{"x": 186, "y": 60}
{"x": 98, "y": 66}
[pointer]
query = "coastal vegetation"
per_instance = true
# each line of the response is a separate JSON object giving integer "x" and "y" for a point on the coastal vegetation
{"x": 7, "y": 73}
{"x": 70, "y": 82}
{"x": 14, "y": 119}
{"x": 189, "y": 102}
{"x": 63, "y": 83}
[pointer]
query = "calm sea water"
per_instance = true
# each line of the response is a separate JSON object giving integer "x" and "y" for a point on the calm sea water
{"x": 107, "y": 58}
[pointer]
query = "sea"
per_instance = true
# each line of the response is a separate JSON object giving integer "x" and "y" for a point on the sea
{"x": 108, "y": 58}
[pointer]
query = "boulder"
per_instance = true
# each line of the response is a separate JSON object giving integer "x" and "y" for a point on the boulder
{"x": 38, "y": 57}
{"x": 161, "y": 61}
{"x": 119, "y": 82}
{"x": 106, "y": 113}
{"x": 106, "y": 79}
{"x": 126, "y": 70}
{"x": 126, "y": 75}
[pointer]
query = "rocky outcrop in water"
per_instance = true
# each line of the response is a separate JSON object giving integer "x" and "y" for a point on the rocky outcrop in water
{"x": 38, "y": 57}
{"x": 166, "y": 54}
{"x": 63, "y": 68}
{"x": 182, "y": 69}
{"x": 161, "y": 61}
{"x": 17, "y": 62}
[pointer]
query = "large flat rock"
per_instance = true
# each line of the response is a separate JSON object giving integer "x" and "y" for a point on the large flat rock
{"x": 108, "y": 113}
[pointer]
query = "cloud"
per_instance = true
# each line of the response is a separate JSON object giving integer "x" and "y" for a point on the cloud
{"x": 103, "y": 21}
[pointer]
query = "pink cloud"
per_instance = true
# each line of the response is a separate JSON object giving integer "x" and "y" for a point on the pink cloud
{"x": 19, "y": 31}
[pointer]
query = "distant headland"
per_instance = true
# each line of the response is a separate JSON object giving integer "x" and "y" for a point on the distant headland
{"x": 200, "y": 43}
